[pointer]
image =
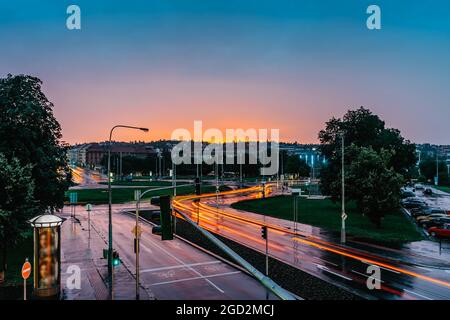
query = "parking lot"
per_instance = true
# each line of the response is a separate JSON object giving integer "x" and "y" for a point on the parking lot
{"x": 430, "y": 209}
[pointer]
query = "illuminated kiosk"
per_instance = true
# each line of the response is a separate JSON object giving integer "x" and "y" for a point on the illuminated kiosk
{"x": 47, "y": 255}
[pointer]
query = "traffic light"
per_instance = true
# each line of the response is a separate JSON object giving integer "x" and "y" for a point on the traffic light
{"x": 155, "y": 201}
{"x": 264, "y": 232}
{"x": 165, "y": 229}
{"x": 166, "y": 218}
{"x": 115, "y": 259}
{"x": 198, "y": 190}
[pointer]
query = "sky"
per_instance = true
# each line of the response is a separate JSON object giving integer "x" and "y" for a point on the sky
{"x": 279, "y": 64}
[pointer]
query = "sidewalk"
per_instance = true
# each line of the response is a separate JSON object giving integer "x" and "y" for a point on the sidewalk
{"x": 84, "y": 249}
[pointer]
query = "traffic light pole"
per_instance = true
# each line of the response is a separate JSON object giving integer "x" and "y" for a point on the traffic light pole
{"x": 137, "y": 243}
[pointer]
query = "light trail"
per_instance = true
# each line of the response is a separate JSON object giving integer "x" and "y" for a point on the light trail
{"x": 206, "y": 212}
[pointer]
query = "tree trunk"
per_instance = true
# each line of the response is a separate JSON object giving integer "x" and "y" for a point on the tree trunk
{"x": 3, "y": 264}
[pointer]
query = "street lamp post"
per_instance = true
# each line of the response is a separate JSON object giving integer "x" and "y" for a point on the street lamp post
{"x": 437, "y": 169}
{"x": 343, "y": 215}
{"x": 110, "y": 237}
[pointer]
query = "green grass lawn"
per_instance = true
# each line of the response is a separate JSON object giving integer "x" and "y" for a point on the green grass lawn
{"x": 121, "y": 195}
{"x": 141, "y": 183}
{"x": 443, "y": 188}
{"x": 326, "y": 214}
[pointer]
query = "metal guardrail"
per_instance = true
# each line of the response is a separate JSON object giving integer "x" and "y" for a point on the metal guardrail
{"x": 263, "y": 279}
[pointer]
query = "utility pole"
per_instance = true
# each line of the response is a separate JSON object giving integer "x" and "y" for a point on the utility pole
{"x": 437, "y": 168}
{"x": 343, "y": 214}
{"x": 121, "y": 172}
{"x": 217, "y": 183}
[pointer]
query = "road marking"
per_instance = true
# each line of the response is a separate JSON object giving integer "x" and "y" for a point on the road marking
{"x": 387, "y": 269}
{"x": 326, "y": 261}
{"x": 145, "y": 248}
{"x": 180, "y": 261}
{"x": 417, "y": 294}
{"x": 195, "y": 278}
{"x": 181, "y": 266}
{"x": 321, "y": 267}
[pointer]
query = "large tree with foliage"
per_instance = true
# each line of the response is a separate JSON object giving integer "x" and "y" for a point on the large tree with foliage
{"x": 16, "y": 204}
{"x": 372, "y": 183}
{"x": 31, "y": 134}
{"x": 361, "y": 128}
{"x": 34, "y": 173}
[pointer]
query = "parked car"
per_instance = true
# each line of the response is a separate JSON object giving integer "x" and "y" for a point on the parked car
{"x": 423, "y": 219}
{"x": 418, "y": 186}
{"x": 418, "y": 210}
{"x": 407, "y": 194}
{"x": 409, "y": 203}
{"x": 440, "y": 232}
{"x": 436, "y": 222}
{"x": 428, "y": 192}
{"x": 433, "y": 210}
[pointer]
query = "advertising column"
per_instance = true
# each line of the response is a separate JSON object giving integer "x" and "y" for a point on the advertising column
{"x": 47, "y": 256}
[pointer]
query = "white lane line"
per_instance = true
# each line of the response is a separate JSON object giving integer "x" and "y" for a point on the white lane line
{"x": 387, "y": 269}
{"x": 417, "y": 294}
{"x": 181, "y": 262}
{"x": 323, "y": 268}
{"x": 181, "y": 266}
{"x": 195, "y": 278}
{"x": 326, "y": 261}
{"x": 145, "y": 248}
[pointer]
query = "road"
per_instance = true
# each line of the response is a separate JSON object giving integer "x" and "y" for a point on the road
{"x": 169, "y": 269}
{"x": 404, "y": 275}
{"x": 86, "y": 178}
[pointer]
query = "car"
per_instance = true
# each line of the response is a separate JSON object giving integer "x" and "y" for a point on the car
{"x": 428, "y": 192}
{"x": 422, "y": 219}
{"x": 418, "y": 210}
{"x": 409, "y": 203}
{"x": 411, "y": 199}
{"x": 407, "y": 194}
{"x": 433, "y": 210}
{"x": 436, "y": 222}
{"x": 440, "y": 232}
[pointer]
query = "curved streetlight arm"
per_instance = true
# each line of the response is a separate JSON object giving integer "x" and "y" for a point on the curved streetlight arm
{"x": 110, "y": 236}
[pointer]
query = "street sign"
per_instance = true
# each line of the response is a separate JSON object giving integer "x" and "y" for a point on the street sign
{"x": 344, "y": 216}
{"x": 89, "y": 207}
{"x": 137, "y": 194}
{"x": 26, "y": 270}
{"x": 73, "y": 197}
{"x": 296, "y": 191}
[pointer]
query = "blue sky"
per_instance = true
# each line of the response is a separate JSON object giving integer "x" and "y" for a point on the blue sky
{"x": 262, "y": 64}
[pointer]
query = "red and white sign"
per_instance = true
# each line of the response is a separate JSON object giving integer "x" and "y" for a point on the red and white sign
{"x": 26, "y": 270}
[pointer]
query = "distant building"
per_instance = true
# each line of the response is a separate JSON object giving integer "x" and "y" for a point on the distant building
{"x": 91, "y": 154}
